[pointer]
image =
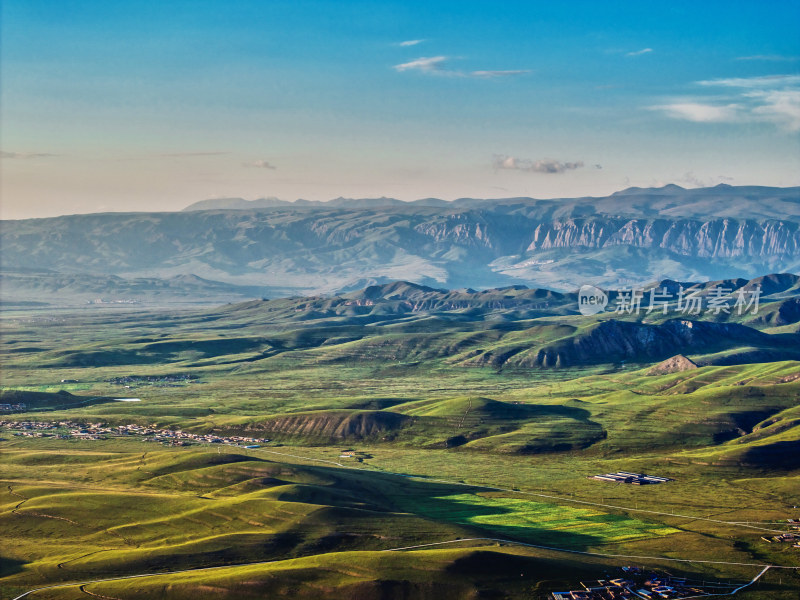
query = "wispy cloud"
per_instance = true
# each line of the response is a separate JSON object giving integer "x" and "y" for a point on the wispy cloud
{"x": 639, "y": 52}
{"x": 693, "y": 180}
{"x": 189, "y": 154}
{"x": 769, "y": 57}
{"x": 701, "y": 113}
{"x": 764, "y": 81}
{"x": 544, "y": 165}
{"x": 410, "y": 43}
{"x": 491, "y": 74}
{"x": 426, "y": 64}
{"x": 771, "y": 99}
{"x": 435, "y": 65}
{"x": 781, "y": 107}
{"x": 259, "y": 164}
{"x": 26, "y": 155}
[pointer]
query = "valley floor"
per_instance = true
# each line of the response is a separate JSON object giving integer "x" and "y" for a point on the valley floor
{"x": 98, "y": 510}
{"x": 374, "y": 476}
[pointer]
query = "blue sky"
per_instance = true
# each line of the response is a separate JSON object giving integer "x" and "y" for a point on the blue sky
{"x": 117, "y": 105}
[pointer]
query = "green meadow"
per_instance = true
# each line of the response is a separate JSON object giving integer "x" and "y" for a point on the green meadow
{"x": 449, "y": 449}
{"x": 537, "y": 522}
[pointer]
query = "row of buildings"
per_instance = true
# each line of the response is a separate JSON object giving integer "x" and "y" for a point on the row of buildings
{"x": 632, "y": 478}
{"x": 95, "y": 431}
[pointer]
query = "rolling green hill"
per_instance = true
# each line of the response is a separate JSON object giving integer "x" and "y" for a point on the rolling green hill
{"x": 397, "y": 416}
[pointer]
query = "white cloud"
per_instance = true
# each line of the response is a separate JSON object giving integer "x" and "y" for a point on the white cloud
{"x": 434, "y": 65}
{"x": 764, "y": 81}
{"x": 639, "y": 52}
{"x": 773, "y": 99}
{"x": 701, "y": 113}
{"x": 769, "y": 57}
{"x": 544, "y": 165}
{"x": 25, "y": 155}
{"x": 410, "y": 43}
{"x": 781, "y": 107}
{"x": 187, "y": 154}
{"x": 693, "y": 180}
{"x": 426, "y": 64}
{"x": 491, "y": 74}
{"x": 259, "y": 164}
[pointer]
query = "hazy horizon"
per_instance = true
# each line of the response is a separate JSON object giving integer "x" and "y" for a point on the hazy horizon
{"x": 306, "y": 202}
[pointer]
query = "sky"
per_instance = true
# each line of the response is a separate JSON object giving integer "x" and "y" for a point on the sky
{"x": 111, "y": 105}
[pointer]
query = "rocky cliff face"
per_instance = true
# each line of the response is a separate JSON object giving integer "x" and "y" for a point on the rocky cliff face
{"x": 624, "y": 340}
{"x": 708, "y": 239}
{"x": 554, "y": 244}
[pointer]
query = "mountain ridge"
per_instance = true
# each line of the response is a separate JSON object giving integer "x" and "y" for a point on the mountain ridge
{"x": 788, "y": 197}
{"x": 634, "y": 237}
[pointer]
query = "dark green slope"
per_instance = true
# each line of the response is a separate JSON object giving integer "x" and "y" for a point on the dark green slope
{"x": 503, "y": 327}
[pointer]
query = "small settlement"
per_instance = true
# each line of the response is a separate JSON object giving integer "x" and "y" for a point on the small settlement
{"x": 174, "y": 380}
{"x": 638, "y": 585}
{"x": 99, "y": 431}
{"x": 632, "y": 478}
{"x": 791, "y": 538}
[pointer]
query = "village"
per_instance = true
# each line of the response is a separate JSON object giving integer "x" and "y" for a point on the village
{"x": 174, "y": 380}
{"x": 636, "y": 584}
{"x": 66, "y": 430}
{"x": 790, "y": 538}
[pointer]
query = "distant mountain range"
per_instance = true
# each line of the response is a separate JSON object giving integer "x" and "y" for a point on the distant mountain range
{"x": 751, "y": 202}
{"x": 233, "y": 248}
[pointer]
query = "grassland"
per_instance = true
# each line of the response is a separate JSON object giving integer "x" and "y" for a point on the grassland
{"x": 449, "y": 448}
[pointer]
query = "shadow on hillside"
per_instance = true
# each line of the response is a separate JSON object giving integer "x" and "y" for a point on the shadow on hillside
{"x": 460, "y": 505}
{"x": 531, "y": 411}
{"x": 488, "y": 518}
{"x": 379, "y": 403}
{"x": 779, "y": 455}
{"x": 10, "y": 566}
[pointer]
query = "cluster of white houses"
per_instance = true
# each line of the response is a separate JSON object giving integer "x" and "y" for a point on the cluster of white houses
{"x": 632, "y": 478}
{"x": 95, "y": 431}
